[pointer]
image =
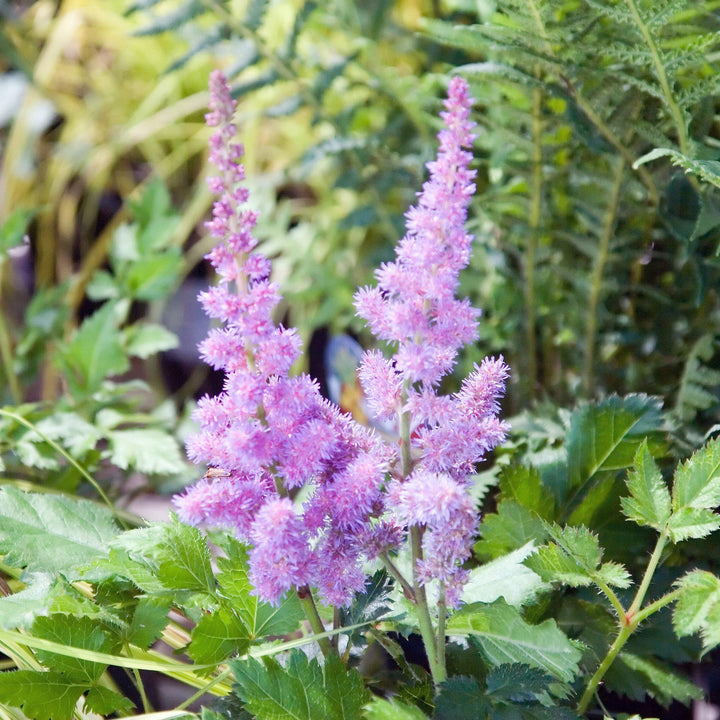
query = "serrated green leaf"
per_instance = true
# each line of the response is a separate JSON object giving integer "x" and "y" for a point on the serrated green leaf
{"x": 148, "y": 450}
{"x": 73, "y": 432}
{"x": 605, "y": 436}
{"x": 707, "y": 170}
{"x": 261, "y": 619}
{"x": 20, "y": 609}
{"x": 145, "y": 339}
{"x": 41, "y": 695}
{"x": 661, "y": 683}
{"x": 104, "y": 701}
{"x": 149, "y": 620}
{"x": 518, "y": 683}
{"x": 461, "y": 698}
{"x": 185, "y": 559}
{"x": 94, "y": 352}
{"x": 552, "y": 564}
{"x": 505, "y": 637}
{"x": 346, "y": 694}
{"x": 649, "y": 501}
{"x": 698, "y": 607}
{"x": 691, "y": 523}
{"x": 52, "y": 533}
{"x": 508, "y": 529}
{"x": 217, "y": 637}
{"x": 697, "y": 481}
{"x": 379, "y": 709}
{"x": 614, "y": 574}
{"x": 505, "y": 577}
{"x": 81, "y": 632}
{"x": 294, "y": 692}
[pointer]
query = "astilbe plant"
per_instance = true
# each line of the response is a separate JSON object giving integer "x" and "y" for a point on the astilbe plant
{"x": 314, "y": 493}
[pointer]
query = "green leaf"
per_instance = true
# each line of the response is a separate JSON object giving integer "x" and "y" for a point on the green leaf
{"x": 155, "y": 276}
{"x": 552, "y": 563}
{"x": 12, "y": 231}
{"x": 94, "y": 352}
{"x": 707, "y": 170}
{"x": 698, "y": 607}
{"x": 605, "y": 436}
{"x": 524, "y": 485}
{"x": 149, "y": 450}
{"x": 660, "y": 682}
{"x": 346, "y": 694}
{"x": 73, "y": 432}
{"x": 380, "y": 709}
{"x": 104, "y": 701}
{"x": 511, "y": 527}
{"x": 505, "y": 637}
{"x": 505, "y": 577}
{"x": 261, "y": 619}
{"x": 185, "y": 559}
{"x": 461, "y": 698}
{"x": 145, "y": 339}
{"x": 41, "y": 695}
{"x": 614, "y": 574}
{"x": 518, "y": 683}
{"x": 218, "y": 636}
{"x": 649, "y": 501}
{"x": 149, "y": 620}
{"x": 269, "y": 690}
{"x": 81, "y": 632}
{"x": 52, "y": 533}
{"x": 697, "y": 480}
{"x": 691, "y": 523}
{"x": 301, "y": 690}
{"x": 20, "y": 609}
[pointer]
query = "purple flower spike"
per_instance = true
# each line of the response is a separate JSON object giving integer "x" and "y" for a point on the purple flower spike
{"x": 269, "y": 433}
{"x": 272, "y": 438}
{"x": 415, "y": 308}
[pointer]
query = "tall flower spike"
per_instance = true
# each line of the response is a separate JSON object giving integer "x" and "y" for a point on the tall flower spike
{"x": 414, "y": 307}
{"x": 271, "y": 433}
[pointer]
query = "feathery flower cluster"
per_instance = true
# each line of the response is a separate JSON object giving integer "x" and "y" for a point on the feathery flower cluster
{"x": 414, "y": 307}
{"x": 271, "y": 433}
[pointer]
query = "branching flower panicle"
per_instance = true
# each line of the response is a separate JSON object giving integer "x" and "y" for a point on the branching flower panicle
{"x": 274, "y": 434}
{"x": 415, "y": 308}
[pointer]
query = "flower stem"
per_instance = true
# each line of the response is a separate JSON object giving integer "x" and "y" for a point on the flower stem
{"x": 437, "y": 668}
{"x": 313, "y": 617}
{"x": 629, "y": 620}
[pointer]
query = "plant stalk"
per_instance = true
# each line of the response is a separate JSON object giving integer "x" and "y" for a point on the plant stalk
{"x": 313, "y": 617}
{"x": 596, "y": 278}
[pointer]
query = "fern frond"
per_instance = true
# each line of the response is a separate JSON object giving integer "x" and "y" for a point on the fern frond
{"x": 699, "y": 383}
{"x": 665, "y": 11}
{"x": 708, "y": 170}
{"x": 173, "y": 20}
{"x": 255, "y": 14}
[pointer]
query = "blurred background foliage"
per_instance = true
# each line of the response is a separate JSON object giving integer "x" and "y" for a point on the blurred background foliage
{"x": 596, "y": 214}
{"x": 596, "y": 217}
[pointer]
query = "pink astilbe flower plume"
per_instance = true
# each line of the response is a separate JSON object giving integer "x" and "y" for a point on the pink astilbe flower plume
{"x": 414, "y": 307}
{"x": 270, "y": 433}
{"x": 274, "y": 438}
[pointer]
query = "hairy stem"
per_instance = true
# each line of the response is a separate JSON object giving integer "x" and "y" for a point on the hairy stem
{"x": 629, "y": 622}
{"x": 620, "y": 640}
{"x": 601, "y": 258}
